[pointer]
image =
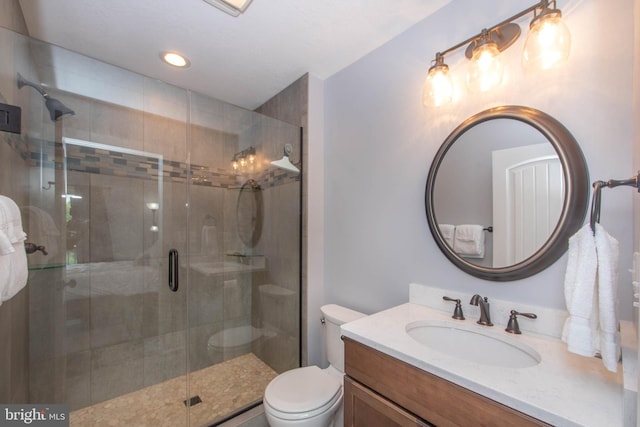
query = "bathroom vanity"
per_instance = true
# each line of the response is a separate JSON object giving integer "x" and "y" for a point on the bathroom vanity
{"x": 379, "y": 387}
{"x": 393, "y": 378}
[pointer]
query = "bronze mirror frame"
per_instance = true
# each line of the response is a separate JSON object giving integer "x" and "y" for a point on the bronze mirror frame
{"x": 574, "y": 208}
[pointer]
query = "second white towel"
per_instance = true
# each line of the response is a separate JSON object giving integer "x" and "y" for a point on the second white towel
{"x": 469, "y": 241}
{"x": 591, "y": 288}
{"x": 608, "y": 343}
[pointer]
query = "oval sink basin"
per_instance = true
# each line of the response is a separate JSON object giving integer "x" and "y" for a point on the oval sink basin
{"x": 469, "y": 343}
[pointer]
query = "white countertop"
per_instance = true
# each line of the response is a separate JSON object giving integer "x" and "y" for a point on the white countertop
{"x": 564, "y": 389}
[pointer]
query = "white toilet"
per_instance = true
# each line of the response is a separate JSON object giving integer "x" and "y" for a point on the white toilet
{"x": 310, "y": 396}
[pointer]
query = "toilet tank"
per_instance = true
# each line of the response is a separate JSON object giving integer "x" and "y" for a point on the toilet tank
{"x": 334, "y": 316}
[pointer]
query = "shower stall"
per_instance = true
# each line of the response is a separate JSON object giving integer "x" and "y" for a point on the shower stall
{"x": 166, "y": 290}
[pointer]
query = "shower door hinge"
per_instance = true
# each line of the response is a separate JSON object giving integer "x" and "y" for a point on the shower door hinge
{"x": 10, "y": 118}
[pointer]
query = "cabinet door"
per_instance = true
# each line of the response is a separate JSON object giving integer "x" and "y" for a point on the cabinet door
{"x": 365, "y": 408}
{"x": 428, "y": 396}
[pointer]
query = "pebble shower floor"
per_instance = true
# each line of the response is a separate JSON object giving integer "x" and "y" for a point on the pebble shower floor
{"x": 222, "y": 388}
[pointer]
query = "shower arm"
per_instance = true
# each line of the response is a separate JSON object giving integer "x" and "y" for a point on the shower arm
{"x": 23, "y": 82}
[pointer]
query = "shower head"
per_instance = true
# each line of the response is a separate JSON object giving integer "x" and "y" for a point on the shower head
{"x": 284, "y": 162}
{"x": 56, "y": 108}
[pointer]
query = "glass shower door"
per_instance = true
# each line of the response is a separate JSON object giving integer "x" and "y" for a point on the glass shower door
{"x": 107, "y": 335}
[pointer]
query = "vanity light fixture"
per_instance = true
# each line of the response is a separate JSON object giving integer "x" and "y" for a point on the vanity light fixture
{"x": 232, "y": 7}
{"x": 175, "y": 59}
{"x": 243, "y": 158}
{"x": 547, "y": 45}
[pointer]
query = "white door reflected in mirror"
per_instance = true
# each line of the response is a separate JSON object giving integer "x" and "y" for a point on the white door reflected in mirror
{"x": 528, "y": 193}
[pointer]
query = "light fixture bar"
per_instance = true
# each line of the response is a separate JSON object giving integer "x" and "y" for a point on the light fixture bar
{"x": 540, "y": 5}
{"x": 547, "y": 45}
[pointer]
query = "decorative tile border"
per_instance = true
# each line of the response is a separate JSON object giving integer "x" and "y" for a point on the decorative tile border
{"x": 115, "y": 163}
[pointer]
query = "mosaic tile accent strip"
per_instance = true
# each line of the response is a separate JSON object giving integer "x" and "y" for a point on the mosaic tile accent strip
{"x": 223, "y": 388}
{"x": 17, "y": 143}
{"x": 115, "y": 163}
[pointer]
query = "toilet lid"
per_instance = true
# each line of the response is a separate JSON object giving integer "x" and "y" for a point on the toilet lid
{"x": 302, "y": 390}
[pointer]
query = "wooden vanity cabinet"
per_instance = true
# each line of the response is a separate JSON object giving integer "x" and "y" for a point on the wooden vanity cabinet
{"x": 382, "y": 391}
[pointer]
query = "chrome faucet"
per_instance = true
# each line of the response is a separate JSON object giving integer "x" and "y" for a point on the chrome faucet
{"x": 485, "y": 315}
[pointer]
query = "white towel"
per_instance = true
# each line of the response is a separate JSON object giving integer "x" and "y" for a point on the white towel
{"x": 448, "y": 232}
{"x": 209, "y": 240}
{"x": 13, "y": 261}
{"x": 579, "y": 292}
{"x": 469, "y": 241}
{"x": 591, "y": 296}
{"x": 10, "y": 220}
{"x": 6, "y": 247}
{"x": 607, "y": 284}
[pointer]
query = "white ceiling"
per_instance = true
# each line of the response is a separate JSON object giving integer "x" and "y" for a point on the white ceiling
{"x": 244, "y": 60}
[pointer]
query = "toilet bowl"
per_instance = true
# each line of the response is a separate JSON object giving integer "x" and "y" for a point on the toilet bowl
{"x": 310, "y": 396}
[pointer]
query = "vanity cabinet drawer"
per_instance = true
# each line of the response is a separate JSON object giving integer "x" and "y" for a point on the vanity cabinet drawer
{"x": 365, "y": 408}
{"x": 427, "y": 396}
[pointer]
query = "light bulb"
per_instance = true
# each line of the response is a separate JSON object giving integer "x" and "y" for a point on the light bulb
{"x": 438, "y": 86}
{"x": 234, "y": 165}
{"x": 243, "y": 162}
{"x": 154, "y": 228}
{"x": 486, "y": 69}
{"x": 252, "y": 158}
{"x": 548, "y": 42}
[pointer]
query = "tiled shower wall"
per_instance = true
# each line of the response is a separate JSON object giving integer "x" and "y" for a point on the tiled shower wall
{"x": 291, "y": 105}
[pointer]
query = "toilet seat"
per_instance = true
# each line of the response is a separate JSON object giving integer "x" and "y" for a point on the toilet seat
{"x": 302, "y": 393}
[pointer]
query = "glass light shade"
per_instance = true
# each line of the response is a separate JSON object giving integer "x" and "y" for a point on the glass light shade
{"x": 234, "y": 165}
{"x": 438, "y": 86}
{"x": 486, "y": 69}
{"x": 548, "y": 42}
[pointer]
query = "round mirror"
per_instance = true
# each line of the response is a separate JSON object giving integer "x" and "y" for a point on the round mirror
{"x": 249, "y": 213}
{"x": 505, "y": 191}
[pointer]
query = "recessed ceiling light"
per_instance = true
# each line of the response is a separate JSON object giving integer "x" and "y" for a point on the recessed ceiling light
{"x": 175, "y": 59}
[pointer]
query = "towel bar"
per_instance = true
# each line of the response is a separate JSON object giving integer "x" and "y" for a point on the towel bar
{"x": 634, "y": 181}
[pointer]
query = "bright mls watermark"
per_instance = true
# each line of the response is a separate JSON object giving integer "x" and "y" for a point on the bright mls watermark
{"x": 34, "y": 415}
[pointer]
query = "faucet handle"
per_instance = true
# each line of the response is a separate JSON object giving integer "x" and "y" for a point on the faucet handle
{"x": 457, "y": 312}
{"x": 512, "y": 325}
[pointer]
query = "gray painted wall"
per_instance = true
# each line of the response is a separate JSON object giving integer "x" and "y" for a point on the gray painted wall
{"x": 380, "y": 142}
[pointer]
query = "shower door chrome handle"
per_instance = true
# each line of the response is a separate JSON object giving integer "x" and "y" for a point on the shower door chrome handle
{"x": 173, "y": 269}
